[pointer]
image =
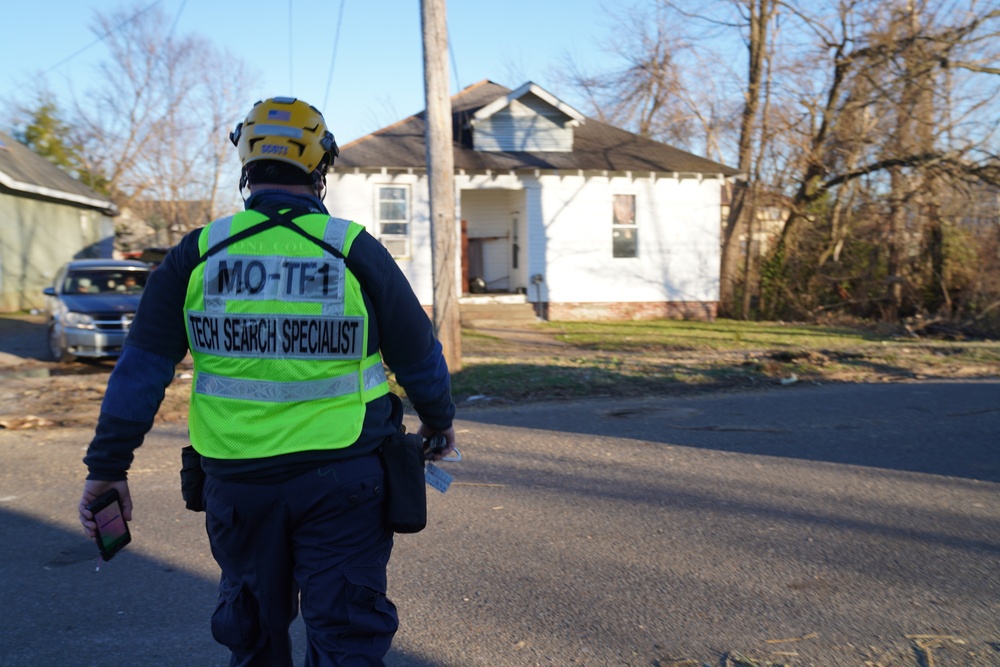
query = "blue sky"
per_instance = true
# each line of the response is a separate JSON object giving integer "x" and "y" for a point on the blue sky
{"x": 377, "y": 73}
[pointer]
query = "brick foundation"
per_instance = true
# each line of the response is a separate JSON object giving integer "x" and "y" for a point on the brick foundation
{"x": 670, "y": 310}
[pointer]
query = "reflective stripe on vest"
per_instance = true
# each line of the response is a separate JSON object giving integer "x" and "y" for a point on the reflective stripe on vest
{"x": 289, "y": 392}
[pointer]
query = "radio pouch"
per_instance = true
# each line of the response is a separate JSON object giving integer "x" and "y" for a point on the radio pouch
{"x": 403, "y": 461}
{"x": 192, "y": 479}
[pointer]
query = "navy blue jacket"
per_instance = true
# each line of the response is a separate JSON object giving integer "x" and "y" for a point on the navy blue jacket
{"x": 157, "y": 342}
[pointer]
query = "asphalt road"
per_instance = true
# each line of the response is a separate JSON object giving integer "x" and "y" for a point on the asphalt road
{"x": 801, "y": 526}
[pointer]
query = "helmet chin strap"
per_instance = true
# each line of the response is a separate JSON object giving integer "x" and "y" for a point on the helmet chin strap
{"x": 244, "y": 190}
{"x": 319, "y": 184}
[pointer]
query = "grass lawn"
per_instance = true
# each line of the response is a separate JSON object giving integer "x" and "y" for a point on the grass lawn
{"x": 577, "y": 359}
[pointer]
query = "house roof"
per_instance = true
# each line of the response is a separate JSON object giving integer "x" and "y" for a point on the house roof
{"x": 596, "y": 146}
{"x": 505, "y": 100}
{"x": 22, "y": 170}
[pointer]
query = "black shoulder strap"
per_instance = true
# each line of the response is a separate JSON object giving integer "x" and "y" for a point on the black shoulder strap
{"x": 275, "y": 218}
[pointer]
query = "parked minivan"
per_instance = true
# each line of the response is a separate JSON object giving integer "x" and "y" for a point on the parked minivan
{"x": 91, "y": 305}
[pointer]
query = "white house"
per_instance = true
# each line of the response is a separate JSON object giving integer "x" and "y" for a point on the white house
{"x": 585, "y": 220}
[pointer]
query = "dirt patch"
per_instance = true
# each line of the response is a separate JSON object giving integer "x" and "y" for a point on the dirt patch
{"x": 37, "y": 399}
{"x": 36, "y": 392}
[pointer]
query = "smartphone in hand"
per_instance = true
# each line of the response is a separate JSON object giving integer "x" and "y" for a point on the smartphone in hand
{"x": 112, "y": 530}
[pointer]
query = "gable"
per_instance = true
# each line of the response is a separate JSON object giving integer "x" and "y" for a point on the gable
{"x": 527, "y": 120}
{"x": 526, "y": 125}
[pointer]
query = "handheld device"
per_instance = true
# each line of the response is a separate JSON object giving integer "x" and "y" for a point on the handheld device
{"x": 434, "y": 446}
{"x": 112, "y": 530}
{"x": 437, "y": 444}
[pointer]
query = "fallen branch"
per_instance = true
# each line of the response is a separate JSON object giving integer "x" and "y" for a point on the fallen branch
{"x": 925, "y": 643}
{"x": 811, "y": 635}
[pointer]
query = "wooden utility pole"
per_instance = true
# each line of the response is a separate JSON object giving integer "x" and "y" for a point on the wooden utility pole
{"x": 441, "y": 177}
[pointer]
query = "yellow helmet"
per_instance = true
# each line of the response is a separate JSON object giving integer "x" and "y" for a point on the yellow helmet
{"x": 287, "y": 130}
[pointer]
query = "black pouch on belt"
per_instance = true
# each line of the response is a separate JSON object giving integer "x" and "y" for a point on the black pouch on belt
{"x": 403, "y": 461}
{"x": 192, "y": 479}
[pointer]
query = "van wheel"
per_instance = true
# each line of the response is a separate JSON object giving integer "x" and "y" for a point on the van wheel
{"x": 57, "y": 348}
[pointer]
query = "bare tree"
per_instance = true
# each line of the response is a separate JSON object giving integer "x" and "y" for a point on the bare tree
{"x": 658, "y": 90}
{"x": 758, "y": 16}
{"x": 155, "y": 125}
{"x": 892, "y": 116}
{"x": 864, "y": 114}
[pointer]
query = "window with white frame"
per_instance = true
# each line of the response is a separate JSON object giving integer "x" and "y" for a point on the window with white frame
{"x": 624, "y": 232}
{"x": 394, "y": 219}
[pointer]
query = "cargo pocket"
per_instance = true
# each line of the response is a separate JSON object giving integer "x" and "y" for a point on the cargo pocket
{"x": 371, "y": 613}
{"x": 235, "y": 623}
{"x": 219, "y": 520}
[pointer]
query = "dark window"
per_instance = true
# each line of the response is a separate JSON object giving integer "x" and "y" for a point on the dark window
{"x": 104, "y": 281}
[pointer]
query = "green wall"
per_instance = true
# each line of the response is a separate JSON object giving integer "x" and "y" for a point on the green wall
{"x": 36, "y": 237}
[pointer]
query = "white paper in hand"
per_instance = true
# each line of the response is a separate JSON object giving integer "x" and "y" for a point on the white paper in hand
{"x": 436, "y": 477}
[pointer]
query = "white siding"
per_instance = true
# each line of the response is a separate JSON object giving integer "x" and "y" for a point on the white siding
{"x": 566, "y": 237}
{"x": 678, "y": 240}
{"x": 354, "y": 197}
{"x": 537, "y": 249}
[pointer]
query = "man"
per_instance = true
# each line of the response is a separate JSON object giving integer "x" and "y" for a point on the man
{"x": 130, "y": 284}
{"x": 285, "y": 311}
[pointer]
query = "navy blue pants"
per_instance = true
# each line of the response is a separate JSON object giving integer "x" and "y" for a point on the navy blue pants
{"x": 320, "y": 537}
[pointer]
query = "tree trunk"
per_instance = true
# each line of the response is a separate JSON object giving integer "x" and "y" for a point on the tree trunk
{"x": 761, "y": 13}
{"x": 752, "y": 253}
{"x": 894, "y": 281}
{"x": 940, "y": 302}
{"x": 730, "y": 260}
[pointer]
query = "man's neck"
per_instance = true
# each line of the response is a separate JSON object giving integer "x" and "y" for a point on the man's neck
{"x": 291, "y": 189}
{"x": 291, "y": 195}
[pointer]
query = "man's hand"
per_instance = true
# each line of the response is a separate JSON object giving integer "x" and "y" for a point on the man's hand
{"x": 94, "y": 489}
{"x": 426, "y": 432}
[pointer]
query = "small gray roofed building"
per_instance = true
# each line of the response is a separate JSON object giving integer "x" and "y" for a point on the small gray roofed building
{"x": 47, "y": 218}
{"x": 21, "y": 170}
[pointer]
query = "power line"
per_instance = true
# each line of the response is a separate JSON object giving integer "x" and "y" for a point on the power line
{"x": 333, "y": 58}
{"x": 289, "y": 47}
{"x": 102, "y": 37}
{"x": 176, "y": 19}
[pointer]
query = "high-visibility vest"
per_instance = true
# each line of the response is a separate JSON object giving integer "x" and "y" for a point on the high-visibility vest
{"x": 278, "y": 330}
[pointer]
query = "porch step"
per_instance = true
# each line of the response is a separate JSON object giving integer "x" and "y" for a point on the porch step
{"x": 485, "y": 312}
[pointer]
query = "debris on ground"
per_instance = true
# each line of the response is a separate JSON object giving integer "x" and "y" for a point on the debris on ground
{"x": 26, "y": 422}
